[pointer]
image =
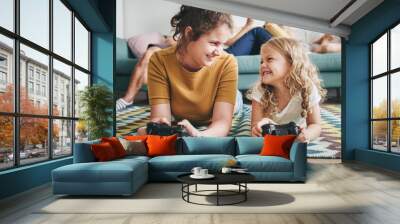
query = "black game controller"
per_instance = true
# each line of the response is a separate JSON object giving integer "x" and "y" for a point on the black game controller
{"x": 283, "y": 129}
{"x": 165, "y": 130}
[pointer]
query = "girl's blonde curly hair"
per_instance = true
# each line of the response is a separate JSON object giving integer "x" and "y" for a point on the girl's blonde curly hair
{"x": 302, "y": 75}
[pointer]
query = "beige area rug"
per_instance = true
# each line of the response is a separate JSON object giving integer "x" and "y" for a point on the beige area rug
{"x": 166, "y": 198}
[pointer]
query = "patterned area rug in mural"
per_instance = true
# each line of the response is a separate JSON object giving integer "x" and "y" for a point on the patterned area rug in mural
{"x": 328, "y": 145}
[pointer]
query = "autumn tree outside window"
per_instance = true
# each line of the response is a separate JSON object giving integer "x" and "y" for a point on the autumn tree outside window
{"x": 44, "y": 64}
{"x": 385, "y": 91}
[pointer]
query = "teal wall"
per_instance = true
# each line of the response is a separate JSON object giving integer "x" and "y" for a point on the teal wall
{"x": 99, "y": 16}
{"x": 103, "y": 64}
{"x": 103, "y": 52}
{"x": 24, "y": 178}
{"x": 356, "y": 94}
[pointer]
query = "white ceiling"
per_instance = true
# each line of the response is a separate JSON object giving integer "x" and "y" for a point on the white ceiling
{"x": 317, "y": 15}
{"x": 321, "y": 9}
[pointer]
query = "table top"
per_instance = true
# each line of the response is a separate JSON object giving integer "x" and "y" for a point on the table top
{"x": 220, "y": 178}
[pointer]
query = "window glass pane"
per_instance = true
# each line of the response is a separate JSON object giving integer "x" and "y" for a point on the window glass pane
{"x": 81, "y": 45}
{"x": 62, "y": 138}
{"x": 395, "y": 94}
{"x": 6, "y": 74}
{"x": 35, "y": 21}
{"x": 379, "y": 97}
{"x": 6, "y": 142}
{"x": 379, "y": 55}
{"x": 34, "y": 97}
{"x": 33, "y": 139}
{"x": 81, "y": 81}
{"x": 81, "y": 131}
{"x": 395, "y": 136}
{"x": 379, "y": 135}
{"x": 62, "y": 29}
{"x": 395, "y": 47}
{"x": 62, "y": 89}
{"x": 7, "y": 14}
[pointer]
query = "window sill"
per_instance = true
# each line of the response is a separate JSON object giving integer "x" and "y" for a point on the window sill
{"x": 26, "y": 167}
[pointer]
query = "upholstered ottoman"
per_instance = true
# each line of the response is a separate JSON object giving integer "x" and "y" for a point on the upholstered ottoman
{"x": 88, "y": 177}
{"x": 118, "y": 177}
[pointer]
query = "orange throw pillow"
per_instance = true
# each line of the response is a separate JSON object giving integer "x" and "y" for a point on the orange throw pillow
{"x": 277, "y": 145}
{"x": 103, "y": 152}
{"x": 161, "y": 145}
{"x": 116, "y": 145}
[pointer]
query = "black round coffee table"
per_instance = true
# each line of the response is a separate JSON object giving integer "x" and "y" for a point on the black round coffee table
{"x": 238, "y": 179}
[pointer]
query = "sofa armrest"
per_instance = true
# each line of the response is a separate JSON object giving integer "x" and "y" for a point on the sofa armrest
{"x": 122, "y": 50}
{"x": 83, "y": 152}
{"x": 124, "y": 67}
{"x": 298, "y": 155}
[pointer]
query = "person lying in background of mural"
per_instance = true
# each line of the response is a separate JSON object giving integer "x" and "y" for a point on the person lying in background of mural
{"x": 289, "y": 89}
{"x": 314, "y": 41}
{"x": 195, "y": 82}
{"x": 249, "y": 39}
{"x": 327, "y": 43}
{"x": 142, "y": 46}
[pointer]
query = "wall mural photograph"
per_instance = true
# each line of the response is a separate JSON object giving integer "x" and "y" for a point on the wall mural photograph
{"x": 229, "y": 110}
{"x": 216, "y": 74}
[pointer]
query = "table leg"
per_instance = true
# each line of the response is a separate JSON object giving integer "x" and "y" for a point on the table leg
{"x": 196, "y": 188}
{"x": 182, "y": 190}
{"x": 217, "y": 194}
{"x": 245, "y": 191}
{"x": 188, "y": 189}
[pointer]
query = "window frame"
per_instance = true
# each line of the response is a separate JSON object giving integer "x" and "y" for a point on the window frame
{"x": 388, "y": 74}
{"x": 16, "y": 114}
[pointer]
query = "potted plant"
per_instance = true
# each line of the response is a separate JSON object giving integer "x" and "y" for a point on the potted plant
{"x": 96, "y": 103}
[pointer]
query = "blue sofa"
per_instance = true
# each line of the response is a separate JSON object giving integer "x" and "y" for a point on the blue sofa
{"x": 329, "y": 66}
{"x": 125, "y": 176}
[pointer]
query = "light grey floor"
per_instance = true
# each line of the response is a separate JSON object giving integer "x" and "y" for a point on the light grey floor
{"x": 379, "y": 189}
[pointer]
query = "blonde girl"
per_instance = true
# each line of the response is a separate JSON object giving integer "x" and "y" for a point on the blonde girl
{"x": 288, "y": 90}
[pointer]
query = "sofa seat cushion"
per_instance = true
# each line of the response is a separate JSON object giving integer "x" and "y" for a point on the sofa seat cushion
{"x": 112, "y": 171}
{"x": 247, "y": 81}
{"x": 257, "y": 163}
{"x": 185, "y": 163}
{"x": 331, "y": 79}
{"x": 132, "y": 160}
{"x": 134, "y": 157}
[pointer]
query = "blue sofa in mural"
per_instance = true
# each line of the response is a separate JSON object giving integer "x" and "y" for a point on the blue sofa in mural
{"x": 125, "y": 176}
{"x": 329, "y": 66}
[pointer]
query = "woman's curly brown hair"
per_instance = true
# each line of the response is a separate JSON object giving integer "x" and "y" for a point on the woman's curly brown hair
{"x": 302, "y": 75}
{"x": 200, "y": 20}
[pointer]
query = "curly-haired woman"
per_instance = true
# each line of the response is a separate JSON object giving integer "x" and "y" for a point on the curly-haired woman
{"x": 195, "y": 82}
